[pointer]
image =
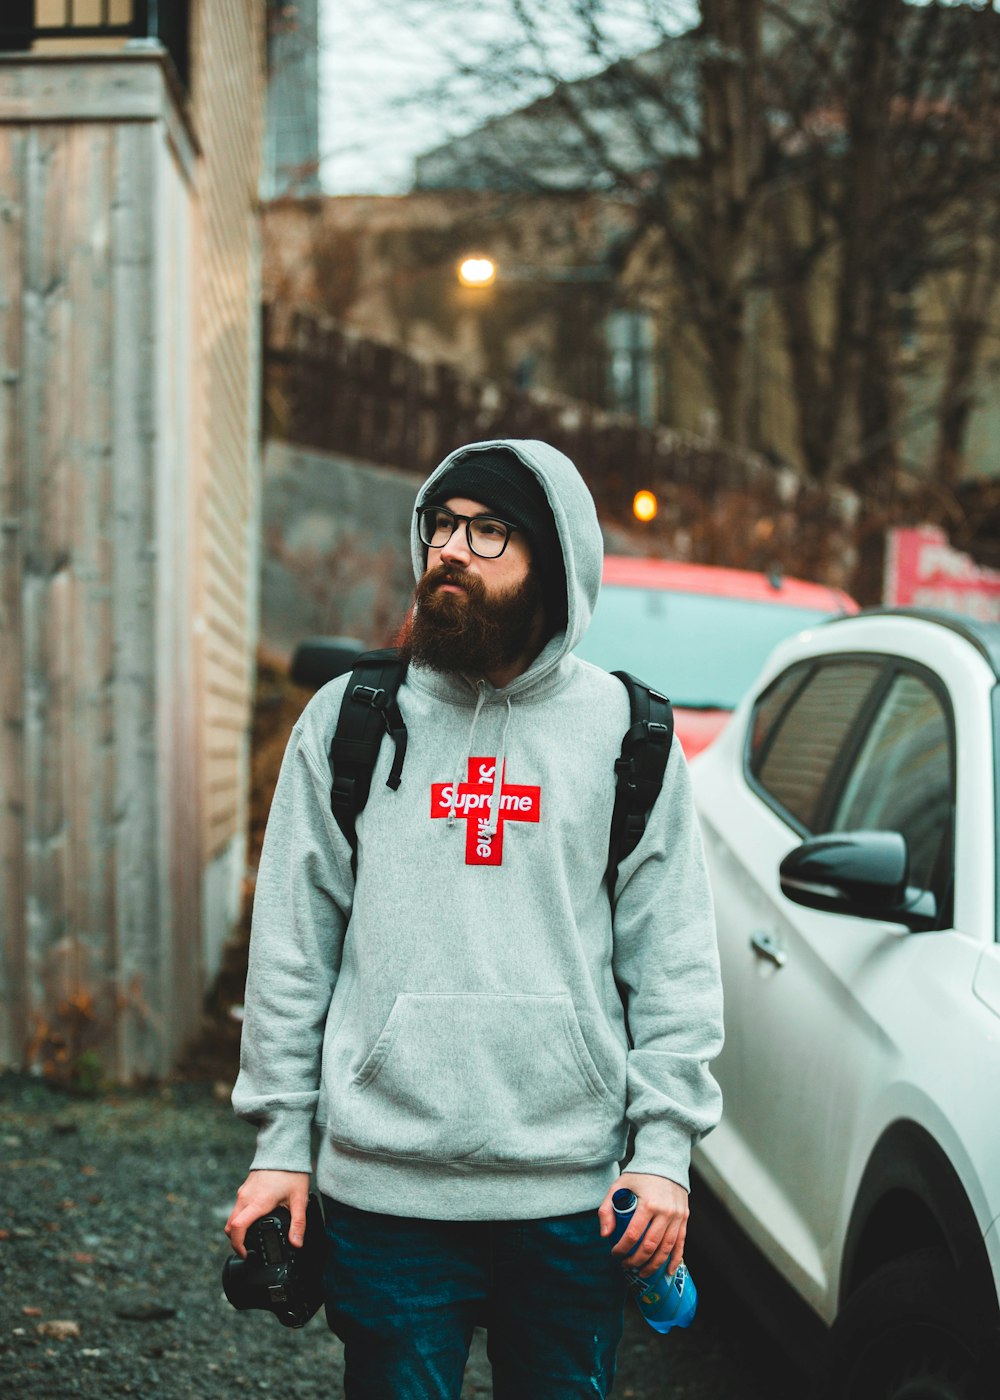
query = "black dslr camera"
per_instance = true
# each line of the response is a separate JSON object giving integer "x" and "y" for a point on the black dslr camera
{"x": 275, "y": 1275}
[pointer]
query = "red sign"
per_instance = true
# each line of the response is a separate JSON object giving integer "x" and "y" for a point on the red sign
{"x": 472, "y": 802}
{"x": 923, "y": 571}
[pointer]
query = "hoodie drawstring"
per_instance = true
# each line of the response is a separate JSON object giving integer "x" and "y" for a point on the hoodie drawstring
{"x": 494, "y": 817}
{"x": 480, "y": 699}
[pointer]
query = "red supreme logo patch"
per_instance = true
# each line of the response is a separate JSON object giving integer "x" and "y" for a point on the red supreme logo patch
{"x": 518, "y": 803}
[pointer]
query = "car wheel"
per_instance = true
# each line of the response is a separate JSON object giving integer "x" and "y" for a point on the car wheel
{"x": 909, "y": 1332}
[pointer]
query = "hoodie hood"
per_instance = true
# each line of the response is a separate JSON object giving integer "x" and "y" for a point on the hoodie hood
{"x": 576, "y": 523}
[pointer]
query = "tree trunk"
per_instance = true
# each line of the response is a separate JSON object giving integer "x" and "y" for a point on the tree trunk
{"x": 875, "y": 460}
{"x": 795, "y": 302}
{"x": 980, "y": 280}
{"x": 862, "y": 213}
{"x": 732, "y": 157}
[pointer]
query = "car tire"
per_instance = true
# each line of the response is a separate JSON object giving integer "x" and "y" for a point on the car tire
{"x": 909, "y": 1332}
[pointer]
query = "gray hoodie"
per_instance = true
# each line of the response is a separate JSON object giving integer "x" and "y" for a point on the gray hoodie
{"x": 453, "y": 1019}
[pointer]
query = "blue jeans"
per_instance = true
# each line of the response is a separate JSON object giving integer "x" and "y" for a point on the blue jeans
{"x": 404, "y": 1296}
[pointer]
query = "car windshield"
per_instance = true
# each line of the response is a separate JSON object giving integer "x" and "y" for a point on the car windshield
{"x": 702, "y": 650}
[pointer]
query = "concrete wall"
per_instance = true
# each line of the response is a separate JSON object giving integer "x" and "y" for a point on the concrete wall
{"x": 336, "y": 555}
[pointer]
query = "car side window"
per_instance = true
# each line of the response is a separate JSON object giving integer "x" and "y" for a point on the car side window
{"x": 902, "y": 780}
{"x": 771, "y": 706}
{"x": 793, "y": 763}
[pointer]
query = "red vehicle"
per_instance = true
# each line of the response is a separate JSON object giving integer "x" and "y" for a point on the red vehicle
{"x": 699, "y": 633}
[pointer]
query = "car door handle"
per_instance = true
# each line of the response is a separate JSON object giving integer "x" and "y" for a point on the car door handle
{"x": 767, "y": 947}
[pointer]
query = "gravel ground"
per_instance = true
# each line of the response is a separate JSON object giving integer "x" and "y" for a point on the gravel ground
{"x": 111, "y": 1247}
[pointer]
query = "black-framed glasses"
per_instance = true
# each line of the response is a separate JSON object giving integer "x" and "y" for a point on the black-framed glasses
{"x": 486, "y": 535}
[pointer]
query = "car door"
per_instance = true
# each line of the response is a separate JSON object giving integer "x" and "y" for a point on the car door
{"x": 835, "y": 744}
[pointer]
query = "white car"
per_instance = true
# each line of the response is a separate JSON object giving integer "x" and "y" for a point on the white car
{"x": 850, "y": 816}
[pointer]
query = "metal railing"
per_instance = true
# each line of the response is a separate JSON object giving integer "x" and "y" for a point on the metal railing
{"x": 22, "y": 22}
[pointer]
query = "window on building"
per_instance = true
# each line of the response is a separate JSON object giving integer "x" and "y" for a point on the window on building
{"x": 631, "y": 342}
{"x": 83, "y": 14}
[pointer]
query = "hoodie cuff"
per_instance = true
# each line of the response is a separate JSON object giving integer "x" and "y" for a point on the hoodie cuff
{"x": 284, "y": 1144}
{"x": 662, "y": 1151}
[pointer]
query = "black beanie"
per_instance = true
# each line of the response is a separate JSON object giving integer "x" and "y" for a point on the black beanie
{"x": 498, "y": 478}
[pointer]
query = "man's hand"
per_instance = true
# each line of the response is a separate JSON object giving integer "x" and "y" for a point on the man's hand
{"x": 260, "y": 1193}
{"x": 663, "y": 1206}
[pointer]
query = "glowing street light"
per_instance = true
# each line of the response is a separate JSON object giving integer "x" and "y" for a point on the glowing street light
{"x": 477, "y": 271}
{"x": 644, "y": 506}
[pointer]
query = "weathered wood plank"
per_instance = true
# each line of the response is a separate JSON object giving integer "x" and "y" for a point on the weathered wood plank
{"x": 180, "y": 759}
{"x": 90, "y": 866}
{"x": 140, "y": 953}
{"x": 14, "y": 1009}
{"x": 45, "y": 564}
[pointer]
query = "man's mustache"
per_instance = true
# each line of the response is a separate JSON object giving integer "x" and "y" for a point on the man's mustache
{"x": 444, "y": 573}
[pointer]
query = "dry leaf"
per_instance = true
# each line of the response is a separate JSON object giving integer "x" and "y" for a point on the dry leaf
{"x": 59, "y": 1328}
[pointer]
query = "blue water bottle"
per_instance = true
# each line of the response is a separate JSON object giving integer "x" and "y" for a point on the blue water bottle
{"x": 664, "y": 1302}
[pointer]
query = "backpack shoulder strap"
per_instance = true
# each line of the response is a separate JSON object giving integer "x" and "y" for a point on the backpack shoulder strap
{"x": 368, "y": 711}
{"x": 639, "y": 768}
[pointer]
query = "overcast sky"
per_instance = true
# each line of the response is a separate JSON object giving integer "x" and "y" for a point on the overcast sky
{"x": 381, "y": 59}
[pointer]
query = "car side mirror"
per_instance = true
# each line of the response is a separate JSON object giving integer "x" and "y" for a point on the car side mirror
{"x": 321, "y": 659}
{"x": 863, "y": 873}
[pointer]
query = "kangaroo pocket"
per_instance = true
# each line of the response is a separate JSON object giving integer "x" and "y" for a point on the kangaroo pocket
{"x": 481, "y": 1078}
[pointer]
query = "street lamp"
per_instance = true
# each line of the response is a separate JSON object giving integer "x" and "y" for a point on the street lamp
{"x": 476, "y": 270}
{"x": 480, "y": 270}
{"x": 644, "y": 506}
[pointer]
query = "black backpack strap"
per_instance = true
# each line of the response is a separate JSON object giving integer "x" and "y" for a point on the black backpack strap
{"x": 639, "y": 768}
{"x": 368, "y": 711}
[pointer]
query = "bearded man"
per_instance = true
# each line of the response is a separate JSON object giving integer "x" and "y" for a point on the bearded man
{"x": 474, "y": 1020}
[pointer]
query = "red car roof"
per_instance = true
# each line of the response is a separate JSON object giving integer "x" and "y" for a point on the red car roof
{"x": 730, "y": 583}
